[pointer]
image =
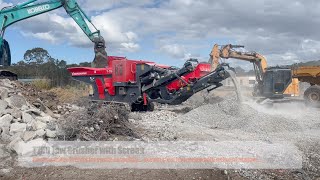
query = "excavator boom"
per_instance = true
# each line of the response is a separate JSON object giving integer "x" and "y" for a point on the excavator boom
{"x": 228, "y": 51}
{"x": 11, "y": 15}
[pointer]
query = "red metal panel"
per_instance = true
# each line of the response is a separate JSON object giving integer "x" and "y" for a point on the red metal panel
{"x": 100, "y": 87}
{"x": 109, "y": 86}
{"x": 85, "y": 71}
{"x": 125, "y": 70}
{"x": 201, "y": 70}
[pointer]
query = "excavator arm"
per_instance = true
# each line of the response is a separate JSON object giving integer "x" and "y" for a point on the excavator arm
{"x": 11, "y": 15}
{"x": 228, "y": 51}
{"x": 272, "y": 83}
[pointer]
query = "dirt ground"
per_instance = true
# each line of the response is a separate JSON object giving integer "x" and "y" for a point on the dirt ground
{"x": 65, "y": 173}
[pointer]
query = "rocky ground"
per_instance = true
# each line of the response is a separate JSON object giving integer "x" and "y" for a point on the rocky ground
{"x": 224, "y": 119}
{"x": 28, "y": 115}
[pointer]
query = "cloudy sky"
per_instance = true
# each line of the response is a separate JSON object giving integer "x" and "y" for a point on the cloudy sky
{"x": 170, "y": 31}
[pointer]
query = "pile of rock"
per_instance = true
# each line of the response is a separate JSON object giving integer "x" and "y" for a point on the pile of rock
{"x": 66, "y": 109}
{"x": 20, "y": 121}
{"x": 46, "y": 101}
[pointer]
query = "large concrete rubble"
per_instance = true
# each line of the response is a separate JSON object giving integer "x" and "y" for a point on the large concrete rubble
{"x": 22, "y": 122}
{"x": 25, "y": 118}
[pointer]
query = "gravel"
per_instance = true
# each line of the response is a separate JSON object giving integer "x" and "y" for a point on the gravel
{"x": 226, "y": 119}
{"x": 229, "y": 115}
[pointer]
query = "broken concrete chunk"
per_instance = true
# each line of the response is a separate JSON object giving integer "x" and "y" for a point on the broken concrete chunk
{"x": 5, "y": 120}
{"x": 11, "y": 146}
{"x": 5, "y": 137}
{"x": 45, "y": 119}
{"x": 16, "y": 101}
{"x": 24, "y": 108}
{"x": 17, "y": 127}
{"x": 16, "y": 135}
{"x": 29, "y": 135}
{"x": 6, "y": 83}
{"x": 4, "y": 93}
{"x": 21, "y": 148}
{"x": 26, "y": 117}
{"x": 3, "y": 152}
{"x": 75, "y": 108}
{"x": 57, "y": 116}
{"x": 51, "y": 134}
{"x": 43, "y": 107}
{"x": 3, "y": 106}
{"x": 40, "y": 132}
{"x": 39, "y": 125}
{"x": 16, "y": 113}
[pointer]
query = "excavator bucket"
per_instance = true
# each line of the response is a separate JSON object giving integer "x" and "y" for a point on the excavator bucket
{"x": 101, "y": 56}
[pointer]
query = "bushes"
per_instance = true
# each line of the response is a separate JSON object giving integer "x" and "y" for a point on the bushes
{"x": 44, "y": 84}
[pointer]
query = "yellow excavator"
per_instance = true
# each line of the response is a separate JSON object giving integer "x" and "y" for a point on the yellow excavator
{"x": 273, "y": 82}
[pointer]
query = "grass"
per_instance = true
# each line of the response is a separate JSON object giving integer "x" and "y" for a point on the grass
{"x": 67, "y": 94}
{"x": 70, "y": 94}
{"x": 43, "y": 84}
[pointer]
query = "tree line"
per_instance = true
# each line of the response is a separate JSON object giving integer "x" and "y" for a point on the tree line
{"x": 37, "y": 63}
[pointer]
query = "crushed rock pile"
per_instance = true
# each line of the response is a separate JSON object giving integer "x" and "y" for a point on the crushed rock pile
{"x": 225, "y": 119}
{"x": 156, "y": 125}
{"x": 229, "y": 115}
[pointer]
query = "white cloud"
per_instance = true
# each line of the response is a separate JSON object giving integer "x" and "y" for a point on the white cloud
{"x": 47, "y": 36}
{"x": 3, "y": 4}
{"x": 284, "y": 31}
{"x": 58, "y": 29}
{"x": 99, "y": 5}
{"x": 178, "y": 51}
{"x": 130, "y": 47}
{"x": 174, "y": 50}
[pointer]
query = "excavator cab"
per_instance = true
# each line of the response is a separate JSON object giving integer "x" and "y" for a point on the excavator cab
{"x": 5, "y": 61}
{"x": 5, "y": 55}
{"x": 276, "y": 81}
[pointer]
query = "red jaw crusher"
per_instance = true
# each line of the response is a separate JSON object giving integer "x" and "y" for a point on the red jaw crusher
{"x": 139, "y": 83}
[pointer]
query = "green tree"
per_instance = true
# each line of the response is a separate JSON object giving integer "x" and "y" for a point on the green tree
{"x": 36, "y": 56}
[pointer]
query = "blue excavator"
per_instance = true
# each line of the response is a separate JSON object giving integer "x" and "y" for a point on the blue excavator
{"x": 12, "y": 14}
